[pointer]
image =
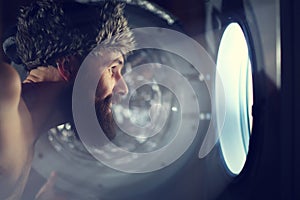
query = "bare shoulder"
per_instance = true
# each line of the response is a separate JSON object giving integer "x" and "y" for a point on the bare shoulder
{"x": 10, "y": 86}
{"x": 16, "y": 147}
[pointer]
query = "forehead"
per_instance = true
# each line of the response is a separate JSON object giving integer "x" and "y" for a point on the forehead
{"x": 103, "y": 58}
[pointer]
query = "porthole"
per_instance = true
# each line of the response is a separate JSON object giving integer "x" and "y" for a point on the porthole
{"x": 235, "y": 70}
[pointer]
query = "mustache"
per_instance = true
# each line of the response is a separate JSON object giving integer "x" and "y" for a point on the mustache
{"x": 106, "y": 100}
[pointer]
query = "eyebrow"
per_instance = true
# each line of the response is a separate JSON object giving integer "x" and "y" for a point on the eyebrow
{"x": 120, "y": 62}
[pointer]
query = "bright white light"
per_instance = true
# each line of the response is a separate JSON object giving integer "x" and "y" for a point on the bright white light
{"x": 234, "y": 68}
{"x": 174, "y": 109}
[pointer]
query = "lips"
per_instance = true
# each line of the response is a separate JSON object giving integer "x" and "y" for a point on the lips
{"x": 107, "y": 105}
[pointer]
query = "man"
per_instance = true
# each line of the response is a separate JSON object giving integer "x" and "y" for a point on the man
{"x": 52, "y": 41}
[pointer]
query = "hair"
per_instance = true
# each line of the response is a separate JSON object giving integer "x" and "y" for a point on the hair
{"x": 49, "y": 29}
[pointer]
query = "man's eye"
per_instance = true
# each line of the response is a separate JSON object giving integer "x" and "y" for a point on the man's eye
{"x": 112, "y": 69}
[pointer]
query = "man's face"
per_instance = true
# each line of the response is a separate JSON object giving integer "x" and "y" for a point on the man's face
{"x": 111, "y": 84}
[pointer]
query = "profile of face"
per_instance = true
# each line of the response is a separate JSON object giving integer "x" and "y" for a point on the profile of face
{"x": 109, "y": 89}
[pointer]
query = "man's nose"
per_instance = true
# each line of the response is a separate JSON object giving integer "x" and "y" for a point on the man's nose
{"x": 121, "y": 87}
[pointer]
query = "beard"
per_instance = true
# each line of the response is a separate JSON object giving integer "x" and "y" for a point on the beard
{"x": 105, "y": 116}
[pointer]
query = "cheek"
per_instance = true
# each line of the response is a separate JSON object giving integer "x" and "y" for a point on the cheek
{"x": 104, "y": 88}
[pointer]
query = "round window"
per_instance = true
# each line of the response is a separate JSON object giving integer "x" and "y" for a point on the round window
{"x": 234, "y": 68}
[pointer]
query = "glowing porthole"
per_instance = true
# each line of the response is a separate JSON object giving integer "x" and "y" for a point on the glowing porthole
{"x": 234, "y": 68}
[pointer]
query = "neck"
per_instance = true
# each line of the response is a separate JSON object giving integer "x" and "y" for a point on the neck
{"x": 49, "y": 104}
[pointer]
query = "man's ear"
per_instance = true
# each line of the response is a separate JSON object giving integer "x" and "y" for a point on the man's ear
{"x": 68, "y": 67}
